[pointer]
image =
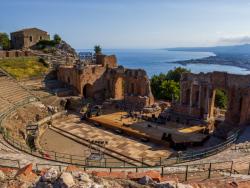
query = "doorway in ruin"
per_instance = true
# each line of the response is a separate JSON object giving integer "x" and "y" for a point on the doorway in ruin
{"x": 119, "y": 89}
{"x": 220, "y": 105}
{"x": 87, "y": 91}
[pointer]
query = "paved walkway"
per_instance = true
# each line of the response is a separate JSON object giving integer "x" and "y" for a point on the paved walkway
{"x": 8, "y": 152}
{"x": 122, "y": 144}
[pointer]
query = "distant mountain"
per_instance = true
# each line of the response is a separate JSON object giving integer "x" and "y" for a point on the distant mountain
{"x": 236, "y": 49}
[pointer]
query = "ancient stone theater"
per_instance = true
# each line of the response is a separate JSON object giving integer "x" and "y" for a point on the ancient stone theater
{"x": 198, "y": 95}
{"x": 104, "y": 79}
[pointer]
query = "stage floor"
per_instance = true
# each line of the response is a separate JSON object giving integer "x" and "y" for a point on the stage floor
{"x": 126, "y": 145}
{"x": 180, "y": 133}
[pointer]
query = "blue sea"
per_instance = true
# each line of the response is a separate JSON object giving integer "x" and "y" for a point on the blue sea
{"x": 161, "y": 61}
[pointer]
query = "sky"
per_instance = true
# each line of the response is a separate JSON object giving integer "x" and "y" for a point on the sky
{"x": 133, "y": 23}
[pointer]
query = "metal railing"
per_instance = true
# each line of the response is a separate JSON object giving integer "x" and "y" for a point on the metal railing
{"x": 199, "y": 171}
{"x": 109, "y": 162}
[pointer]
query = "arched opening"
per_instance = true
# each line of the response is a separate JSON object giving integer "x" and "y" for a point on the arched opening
{"x": 87, "y": 91}
{"x": 220, "y": 105}
{"x": 119, "y": 89}
{"x": 132, "y": 88}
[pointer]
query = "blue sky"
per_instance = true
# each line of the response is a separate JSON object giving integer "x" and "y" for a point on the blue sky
{"x": 133, "y": 23}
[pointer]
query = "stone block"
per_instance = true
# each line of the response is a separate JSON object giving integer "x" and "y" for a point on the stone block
{"x": 119, "y": 175}
{"x": 155, "y": 175}
{"x": 2, "y": 54}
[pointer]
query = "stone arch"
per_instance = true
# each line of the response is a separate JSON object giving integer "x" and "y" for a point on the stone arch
{"x": 87, "y": 91}
{"x": 119, "y": 88}
{"x": 215, "y": 110}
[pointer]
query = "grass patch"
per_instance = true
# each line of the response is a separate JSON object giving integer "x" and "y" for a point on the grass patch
{"x": 23, "y": 67}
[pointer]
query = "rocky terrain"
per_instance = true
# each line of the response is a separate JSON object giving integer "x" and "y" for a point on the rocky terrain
{"x": 65, "y": 49}
{"x": 73, "y": 177}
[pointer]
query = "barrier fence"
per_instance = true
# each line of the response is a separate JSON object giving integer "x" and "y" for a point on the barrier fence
{"x": 200, "y": 171}
{"x": 108, "y": 161}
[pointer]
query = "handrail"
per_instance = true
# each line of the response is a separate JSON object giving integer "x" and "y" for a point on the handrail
{"x": 183, "y": 157}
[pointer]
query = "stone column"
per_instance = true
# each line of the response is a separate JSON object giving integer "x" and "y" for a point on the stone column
{"x": 191, "y": 98}
{"x": 180, "y": 94}
{"x": 207, "y": 101}
{"x": 199, "y": 102}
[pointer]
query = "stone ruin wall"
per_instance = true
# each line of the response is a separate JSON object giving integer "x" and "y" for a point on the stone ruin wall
{"x": 135, "y": 86}
{"x": 14, "y": 53}
{"x": 198, "y": 94}
{"x": 105, "y": 80}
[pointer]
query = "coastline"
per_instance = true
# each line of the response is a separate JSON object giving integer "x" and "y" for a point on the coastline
{"x": 156, "y": 61}
{"x": 220, "y": 59}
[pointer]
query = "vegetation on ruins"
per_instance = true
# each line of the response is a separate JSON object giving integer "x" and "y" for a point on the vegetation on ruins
{"x": 57, "y": 39}
{"x": 97, "y": 49}
{"x": 4, "y": 41}
{"x": 167, "y": 86}
{"x": 221, "y": 99}
{"x": 45, "y": 44}
{"x": 23, "y": 67}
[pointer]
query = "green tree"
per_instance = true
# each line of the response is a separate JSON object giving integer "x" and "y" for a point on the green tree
{"x": 176, "y": 74}
{"x": 221, "y": 99}
{"x": 57, "y": 39}
{"x": 167, "y": 86}
{"x": 4, "y": 41}
{"x": 97, "y": 49}
{"x": 156, "y": 82}
{"x": 169, "y": 89}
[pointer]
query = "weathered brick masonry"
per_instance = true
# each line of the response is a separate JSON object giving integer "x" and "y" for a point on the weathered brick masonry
{"x": 105, "y": 79}
{"x": 198, "y": 95}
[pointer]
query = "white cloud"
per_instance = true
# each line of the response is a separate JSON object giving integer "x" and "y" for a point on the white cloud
{"x": 234, "y": 40}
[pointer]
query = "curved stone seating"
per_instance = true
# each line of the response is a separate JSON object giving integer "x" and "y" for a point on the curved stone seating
{"x": 11, "y": 93}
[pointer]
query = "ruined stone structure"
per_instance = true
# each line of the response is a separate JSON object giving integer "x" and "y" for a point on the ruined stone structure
{"x": 198, "y": 95}
{"x": 27, "y": 38}
{"x": 104, "y": 79}
{"x": 15, "y": 53}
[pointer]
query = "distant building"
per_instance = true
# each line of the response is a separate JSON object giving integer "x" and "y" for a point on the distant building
{"x": 27, "y": 38}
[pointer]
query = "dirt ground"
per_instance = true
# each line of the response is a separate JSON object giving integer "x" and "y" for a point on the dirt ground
{"x": 53, "y": 141}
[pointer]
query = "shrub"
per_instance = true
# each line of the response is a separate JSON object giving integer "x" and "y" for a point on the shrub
{"x": 42, "y": 44}
{"x": 221, "y": 99}
{"x": 4, "y": 41}
{"x": 57, "y": 39}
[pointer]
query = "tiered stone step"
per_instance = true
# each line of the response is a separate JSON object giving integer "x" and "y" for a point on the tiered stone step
{"x": 4, "y": 106}
{"x": 11, "y": 92}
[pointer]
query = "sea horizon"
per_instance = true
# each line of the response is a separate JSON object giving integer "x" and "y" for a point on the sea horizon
{"x": 156, "y": 61}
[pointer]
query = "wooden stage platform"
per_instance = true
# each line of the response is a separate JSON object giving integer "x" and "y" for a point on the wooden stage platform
{"x": 153, "y": 132}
